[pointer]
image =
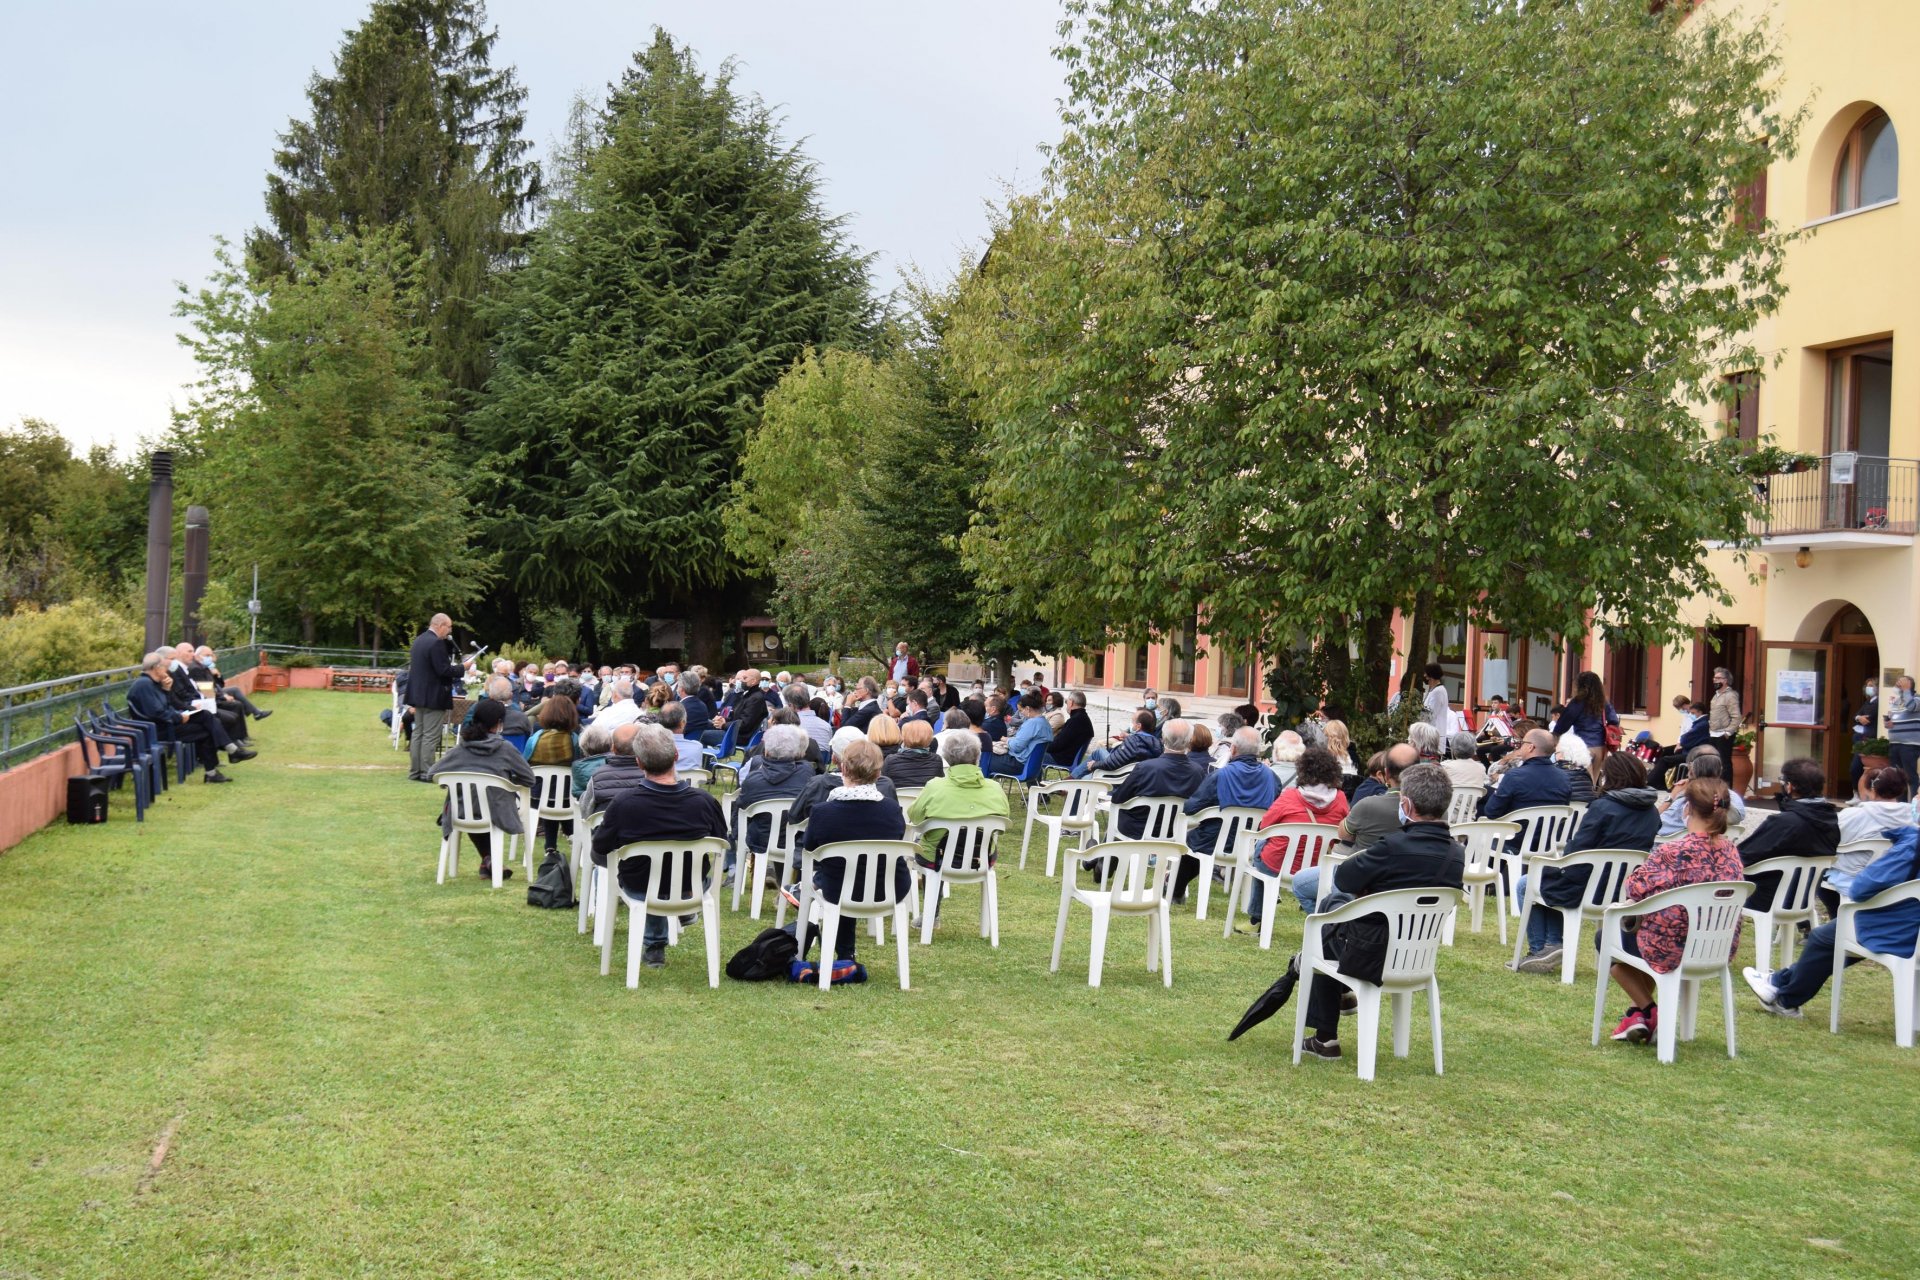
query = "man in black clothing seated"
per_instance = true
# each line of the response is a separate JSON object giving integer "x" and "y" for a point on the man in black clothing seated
{"x": 1420, "y": 855}
{"x": 206, "y": 666}
{"x": 1807, "y": 826}
{"x": 661, "y": 807}
{"x": 1075, "y": 735}
{"x": 189, "y": 683}
{"x": 1175, "y": 774}
{"x": 150, "y": 697}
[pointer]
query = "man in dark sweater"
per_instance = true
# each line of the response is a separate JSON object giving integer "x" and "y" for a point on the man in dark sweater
{"x": 1074, "y": 735}
{"x": 1420, "y": 855}
{"x": 661, "y": 807}
{"x": 699, "y": 714}
{"x": 1807, "y": 826}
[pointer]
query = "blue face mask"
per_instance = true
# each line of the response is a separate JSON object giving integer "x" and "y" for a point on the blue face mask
{"x": 1401, "y": 813}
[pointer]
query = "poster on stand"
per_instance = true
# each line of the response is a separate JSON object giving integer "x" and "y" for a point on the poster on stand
{"x": 1796, "y": 695}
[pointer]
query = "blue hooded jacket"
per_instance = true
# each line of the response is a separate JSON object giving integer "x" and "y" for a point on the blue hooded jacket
{"x": 1890, "y": 930}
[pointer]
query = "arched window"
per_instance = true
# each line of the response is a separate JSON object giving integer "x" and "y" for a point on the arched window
{"x": 1868, "y": 171}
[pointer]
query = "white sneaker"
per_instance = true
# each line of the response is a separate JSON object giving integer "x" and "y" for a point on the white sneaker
{"x": 1769, "y": 995}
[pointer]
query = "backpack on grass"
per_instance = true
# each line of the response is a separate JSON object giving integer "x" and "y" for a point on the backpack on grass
{"x": 553, "y": 887}
{"x": 765, "y": 958}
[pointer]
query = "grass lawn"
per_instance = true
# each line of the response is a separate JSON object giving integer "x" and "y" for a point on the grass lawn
{"x": 364, "y": 1073}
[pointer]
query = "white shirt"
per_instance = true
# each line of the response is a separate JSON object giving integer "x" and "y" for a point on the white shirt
{"x": 899, "y": 669}
{"x": 615, "y": 714}
{"x": 1438, "y": 710}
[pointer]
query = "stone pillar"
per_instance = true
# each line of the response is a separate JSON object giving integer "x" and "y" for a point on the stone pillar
{"x": 159, "y": 547}
{"x": 193, "y": 576}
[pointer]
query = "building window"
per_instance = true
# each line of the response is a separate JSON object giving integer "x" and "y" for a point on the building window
{"x": 1750, "y": 204}
{"x": 1240, "y": 676}
{"x": 1860, "y": 399}
{"x": 1097, "y": 668}
{"x": 1633, "y": 679}
{"x": 1138, "y": 663}
{"x": 1448, "y": 648}
{"x": 1868, "y": 171}
{"x": 1743, "y": 405}
{"x": 1184, "y": 657}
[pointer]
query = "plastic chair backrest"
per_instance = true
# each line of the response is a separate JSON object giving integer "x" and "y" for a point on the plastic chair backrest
{"x": 678, "y": 871}
{"x": 1465, "y": 804}
{"x": 1141, "y": 871}
{"x": 695, "y": 777}
{"x": 1416, "y": 923}
{"x": 1799, "y": 877}
{"x": 779, "y": 831}
{"x": 1607, "y": 880}
{"x": 1547, "y": 828}
{"x": 968, "y": 846}
{"x": 1714, "y": 910}
{"x": 1872, "y": 846}
{"x": 869, "y": 882}
{"x": 1485, "y": 839}
{"x": 1079, "y": 798}
{"x": 727, "y": 737}
{"x": 1036, "y": 761}
{"x": 1236, "y": 821}
{"x": 552, "y": 791}
{"x": 467, "y": 796}
{"x": 906, "y": 796}
{"x": 1166, "y": 816}
{"x": 1307, "y": 841}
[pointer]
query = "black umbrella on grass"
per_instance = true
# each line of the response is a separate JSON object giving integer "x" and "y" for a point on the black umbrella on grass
{"x": 1269, "y": 1001}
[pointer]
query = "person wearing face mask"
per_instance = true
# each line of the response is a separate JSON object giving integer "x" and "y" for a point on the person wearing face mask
{"x": 1723, "y": 717}
{"x": 903, "y": 667}
{"x": 1866, "y": 724}
{"x": 1903, "y": 730}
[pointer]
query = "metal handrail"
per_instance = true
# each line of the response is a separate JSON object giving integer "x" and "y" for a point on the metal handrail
{"x": 1882, "y": 495}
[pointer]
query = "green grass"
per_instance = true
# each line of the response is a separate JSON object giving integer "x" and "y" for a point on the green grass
{"x": 375, "y": 1075}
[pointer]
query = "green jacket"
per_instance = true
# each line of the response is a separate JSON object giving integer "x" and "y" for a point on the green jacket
{"x": 963, "y": 793}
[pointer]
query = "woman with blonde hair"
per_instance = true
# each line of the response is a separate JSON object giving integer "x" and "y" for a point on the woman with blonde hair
{"x": 884, "y": 733}
{"x": 1340, "y": 742}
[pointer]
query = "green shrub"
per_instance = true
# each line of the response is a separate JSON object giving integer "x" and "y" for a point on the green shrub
{"x": 519, "y": 652}
{"x": 64, "y": 640}
{"x": 300, "y": 660}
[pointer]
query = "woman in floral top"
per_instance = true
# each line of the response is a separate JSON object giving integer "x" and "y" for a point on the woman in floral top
{"x": 1704, "y": 854}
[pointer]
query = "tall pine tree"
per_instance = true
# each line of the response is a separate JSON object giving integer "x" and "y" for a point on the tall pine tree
{"x": 415, "y": 129}
{"x": 691, "y": 264}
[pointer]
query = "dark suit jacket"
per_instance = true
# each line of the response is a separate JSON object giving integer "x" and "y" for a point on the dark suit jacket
{"x": 749, "y": 713}
{"x": 862, "y": 716}
{"x": 1073, "y": 737}
{"x": 430, "y": 673}
{"x": 1174, "y": 774}
{"x": 147, "y": 700}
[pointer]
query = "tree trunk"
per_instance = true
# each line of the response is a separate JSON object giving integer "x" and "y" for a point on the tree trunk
{"x": 1376, "y": 659}
{"x": 1419, "y": 642}
{"x": 590, "y": 637}
{"x": 306, "y": 627}
{"x": 705, "y": 631}
{"x": 1002, "y": 660}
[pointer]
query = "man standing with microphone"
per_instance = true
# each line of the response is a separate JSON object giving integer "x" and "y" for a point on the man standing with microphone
{"x": 430, "y": 675}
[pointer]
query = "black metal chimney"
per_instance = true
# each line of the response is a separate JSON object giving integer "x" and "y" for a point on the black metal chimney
{"x": 193, "y": 575}
{"x": 159, "y": 546}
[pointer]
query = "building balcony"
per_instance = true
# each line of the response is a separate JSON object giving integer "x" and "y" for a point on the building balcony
{"x": 1842, "y": 501}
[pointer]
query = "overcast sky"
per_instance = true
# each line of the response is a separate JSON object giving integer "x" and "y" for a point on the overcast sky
{"x": 135, "y": 132}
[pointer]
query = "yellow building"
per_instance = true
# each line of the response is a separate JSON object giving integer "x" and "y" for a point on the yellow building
{"x": 1831, "y": 592}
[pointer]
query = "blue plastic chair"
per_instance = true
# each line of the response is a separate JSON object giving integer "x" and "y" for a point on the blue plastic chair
{"x": 734, "y": 766}
{"x": 158, "y": 750}
{"x": 1029, "y": 775}
{"x": 132, "y": 745}
{"x": 113, "y": 768}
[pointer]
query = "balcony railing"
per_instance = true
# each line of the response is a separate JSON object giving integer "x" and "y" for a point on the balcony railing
{"x": 1873, "y": 495}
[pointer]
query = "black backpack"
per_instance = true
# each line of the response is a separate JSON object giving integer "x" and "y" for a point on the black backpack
{"x": 553, "y": 887}
{"x": 766, "y": 957}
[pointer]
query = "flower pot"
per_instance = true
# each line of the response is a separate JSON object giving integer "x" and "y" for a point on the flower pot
{"x": 311, "y": 677}
{"x": 1742, "y": 770}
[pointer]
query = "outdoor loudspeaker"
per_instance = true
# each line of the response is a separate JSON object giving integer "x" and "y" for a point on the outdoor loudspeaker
{"x": 86, "y": 800}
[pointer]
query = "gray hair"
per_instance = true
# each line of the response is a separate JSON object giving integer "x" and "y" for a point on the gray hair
{"x": 653, "y": 748}
{"x": 596, "y": 740}
{"x": 689, "y": 684}
{"x": 797, "y": 695}
{"x": 1077, "y": 699}
{"x": 621, "y": 689}
{"x": 869, "y": 686}
{"x": 1704, "y": 762}
{"x": 158, "y": 658}
{"x": 960, "y": 748}
{"x": 1176, "y": 735}
{"x": 1428, "y": 789}
{"x": 1170, "y": 707}
{"x": 673, "y": 717}
{"x": 1574, "y": 750}
{"x": 1246, "y": 743}
{"x": 1424, "y": 738}
{"x": 1461, "y": 746}
{"x": 784, "y": 742}
{"x": 499, "y": 688}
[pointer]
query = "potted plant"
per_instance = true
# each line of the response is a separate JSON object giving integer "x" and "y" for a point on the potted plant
{"x": 1874, "y": 753}
{"x": 1742, "y": 759}
{"x": 307, "y": 673}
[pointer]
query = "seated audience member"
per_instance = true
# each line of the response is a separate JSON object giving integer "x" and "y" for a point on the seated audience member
{"x": 688, "y": 753}
{"x": 617, "y": 706}
{"x": 995, "y": 722}
{"x": 857, "y": 809}
{"x": 1420, "y": 853}
{"x": 1315, "y": 796}
{"x": 1143, "y": 743}
{"x": 749, "y": 711}
{"x": 1463, "y": 767}
{"x": 799, "y": 700}
{"x": 1693, "y": 733}
{"x": 660, "y": 807}
{"x": 1175, "y": 774}
{"x": 1426, "y": 739}
{"x": 884, "y": 733}
{"x": 1891, "y": 931}
{"x": 1287, "y": 750}
{"x": 192, "y": 682}
{"x": 815, "y": 758}
{"x": 961, "y": 794}
{"x": 1374, "y": 781}
{"x": 959, "y": 723}
{"x": 1031, "y": 735}
{"x": 1226, "y": 724}
{"x": 917, "y": 701}
{"x": 914, "y": 765}
{"x": 205, "y": 660}
{"x": 150, "y": 698}
{"x": 699, "y": 715}
{"x": 619, "y": 774}
{"x": 1622, "y": 816}
{"x": 1528, "y": 777}
{"x": 862, "y": 706}
{"x": 1883, "y": 815}
{"x": 555, "y": 742}
{"x": 1702, "y": 762}
{"x": 595, "y": 744}
{"x": 659, "y": 694}
{"x": 1360, "y": 823}
{"x": 1074, "y": 735}
{"x": 1807, "y": 826}
{"x": 1166, "y": 708}
{"x": 782, "y": 774}
{"x": 1574, "y": 757}
{"x": 1703, "y": 855}
{"x": 483, "y": 749}
{"x": 1054, "y": 705}
{"x": 817, "y": 789}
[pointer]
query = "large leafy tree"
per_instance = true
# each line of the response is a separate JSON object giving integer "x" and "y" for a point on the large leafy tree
{"x": 1331, "y": 310}
{"x": 690, "y": 264}
{"x": 313, "y": 439}
{"x": 417, "y": 130}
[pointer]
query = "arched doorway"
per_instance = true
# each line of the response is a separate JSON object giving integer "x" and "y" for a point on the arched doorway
{"x": 1813, "y": 689}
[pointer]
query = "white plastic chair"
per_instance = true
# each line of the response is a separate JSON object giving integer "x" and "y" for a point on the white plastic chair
{"x": 1793, "y": 902}
{"x": 753, "y": 866}
{"x": 586, "y": 876}
{"x": 1234, "y": 820}
{"x": 696, "y": 778}
{"x": 399, "y": 714}
{"x": 1316, "y": 838}
{"x": 966, "y": 857}
{"x": 1607, "y": 874}
{"x": 1714, "y": 910}
{"x": 549, "y": 800}
{"x": 1415, "y": 919}
{"x": 1139, "y": 885}
{"x": 1486, "y": 843}
{"x": 1078, "y": 816}
{"x": 906, "y": 796}
{"x": 868, "y": 889}
{"x": 682, "y": 877}
{"x": 1166, "y": 818}
{"x": 1547, "y": 828}
{"x": 1846, "y": 944}
{"x": 471, "y": 815}
{"x": 1465, "y": 805}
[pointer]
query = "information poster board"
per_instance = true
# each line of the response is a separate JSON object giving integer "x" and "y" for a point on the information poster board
{"x": 1796, "y": 697}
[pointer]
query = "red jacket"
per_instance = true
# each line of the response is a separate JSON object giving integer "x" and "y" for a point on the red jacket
{"x": 913, "y": 666}
{"x": 1291, "y": 806}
